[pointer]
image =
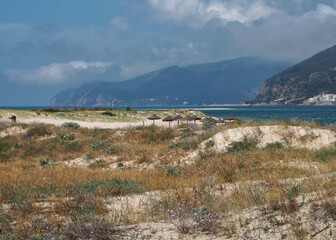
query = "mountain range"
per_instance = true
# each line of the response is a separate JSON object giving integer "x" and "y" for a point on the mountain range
{"x": 228, "y": 81}
{"x": 304, "y": 80}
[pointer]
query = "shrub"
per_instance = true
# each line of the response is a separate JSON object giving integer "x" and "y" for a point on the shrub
{"x": 326, "y": 154}
{"x": 111, "y": 150}
{"x": 38, "y": 131}
{"x": 245, "y": 145}
{"x": 120, "y": 164}
{"x": 97, "y": 145}
{"x": 191, "y": 144}
{"x": 174, "y": 145}
{"x": 256, "y": 195}
{"x": 128, "y": 108}
{"x": 47, "y": 162}
{"x": 109, "y": 187}
{"x": 208, "y": 124}
{"x": 73, "y": 146}
{"x": 94, "y": 229}
{"x": 4, "y": 145}
{"x": 111, "y": 114}
{"x": 210, "y": 143}
{"x": 292, "y": 192}
{"x": 69, "y": 136}
{"x": 274, "y": 145}
{"x": 172, "y": 170}
{"x": 196, "y": 214}
{"x": 71, "y": 125}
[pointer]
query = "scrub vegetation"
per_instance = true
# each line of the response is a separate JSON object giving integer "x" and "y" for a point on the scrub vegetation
{"x": 70, "y": 182}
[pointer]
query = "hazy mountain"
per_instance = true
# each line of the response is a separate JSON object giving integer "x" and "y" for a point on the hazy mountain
{"x": 228, "y": 81}
{"x": 311, "y": 77}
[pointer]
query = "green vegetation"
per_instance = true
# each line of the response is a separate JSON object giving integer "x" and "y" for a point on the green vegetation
{"x": 39, "y": 131}
{"x": 111, "y": 114}
{"x": 71, "y": 125}
{"x": 245, "y": 145}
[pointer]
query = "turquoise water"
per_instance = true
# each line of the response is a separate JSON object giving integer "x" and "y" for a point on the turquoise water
{"x": 321, "y": 114}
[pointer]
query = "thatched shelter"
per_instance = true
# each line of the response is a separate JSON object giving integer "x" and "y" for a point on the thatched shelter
{"x": 178, "y": 118}
{"x": 187, "y": 118}
{"x": 196, "y": 118}
{"x": 168, "y": 119}
{"x": 153, "y": 117}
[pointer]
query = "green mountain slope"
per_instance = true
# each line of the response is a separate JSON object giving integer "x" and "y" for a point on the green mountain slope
{"x": 229, "y": 81}
{"x": 311, "y": 77}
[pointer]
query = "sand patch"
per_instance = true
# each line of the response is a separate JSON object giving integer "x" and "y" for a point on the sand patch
{"x": 12, "y": 131}
{"x": 294, "y": 136}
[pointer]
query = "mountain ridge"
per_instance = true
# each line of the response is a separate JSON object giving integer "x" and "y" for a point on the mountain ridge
{"x": 226, "y": 81}
{"x": 304, "y": 80}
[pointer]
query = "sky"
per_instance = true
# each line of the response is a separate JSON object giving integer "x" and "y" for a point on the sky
{"x": 47, "y": 46}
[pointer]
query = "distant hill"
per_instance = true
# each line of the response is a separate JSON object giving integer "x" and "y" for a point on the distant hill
{"x": 228, "y": 81}
{"x": 311, "y": 77}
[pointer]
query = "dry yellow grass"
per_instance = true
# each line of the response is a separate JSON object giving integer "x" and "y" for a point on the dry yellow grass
{"x": 273, "y": 178}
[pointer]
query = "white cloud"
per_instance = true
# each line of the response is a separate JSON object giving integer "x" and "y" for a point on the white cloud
{"x": 289, "y": 37}
{"x": 120, "y": 22}
{"x": 56, "y": 73}
{"x": 197, "y": 13}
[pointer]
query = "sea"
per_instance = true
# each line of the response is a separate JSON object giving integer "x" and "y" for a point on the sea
{"x": 322, "y": 114}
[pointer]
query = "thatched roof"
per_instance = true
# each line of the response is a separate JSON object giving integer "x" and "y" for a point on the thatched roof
{"x": 169, "y": 119}
{"x": 153, "y": 117}
{"x": 187, "y": 118}
{"x": 196, "y": 117}
{"x": 178, "y": 117}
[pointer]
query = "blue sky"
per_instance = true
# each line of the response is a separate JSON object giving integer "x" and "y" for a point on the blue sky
{"x": 47, "y": 46}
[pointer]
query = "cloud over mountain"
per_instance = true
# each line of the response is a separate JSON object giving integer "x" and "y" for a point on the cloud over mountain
{"x": 197, "y": 13}
{"x": 59, "y": 73}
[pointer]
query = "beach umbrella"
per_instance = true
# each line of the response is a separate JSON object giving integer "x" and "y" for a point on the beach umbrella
{"x": 187, "y": 118}
{"x": 195, "y": 118}
{"x": 178, "y": 118}
{"x": 168, "y": 119}
{"x": 153, "y": 117}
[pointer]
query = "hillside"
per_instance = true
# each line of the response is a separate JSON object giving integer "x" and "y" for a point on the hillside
{"x": 228, "y": 81}
{"x": 311, "y": 77}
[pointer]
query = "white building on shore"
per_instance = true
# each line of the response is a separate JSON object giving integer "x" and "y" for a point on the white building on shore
{"x": 322, "y": 99}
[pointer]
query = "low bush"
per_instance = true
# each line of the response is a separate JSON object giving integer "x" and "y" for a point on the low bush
{"x": 326, "y": 155}
{"x": 71, "y": 125}
{"x": 69, "y": 136}
{"x": 111, "y": 150}
{"x": 109, "y": 187}
{"x": 4, "y": 145}
{"x": 245, "y": 145}
{"x": 38, "y": 131}
{"x": 173, "y": 170}
{"x": 45, "y": 162}
{"x": 210, "y": 143}
{"x": 208, "y": 124}
{"x": 111, "y": 114}
{"x": 187, "y": 145}
{"x": 97, "y": 145}
{"x": 174, "y": 145}
{"x": 274, "y": 145}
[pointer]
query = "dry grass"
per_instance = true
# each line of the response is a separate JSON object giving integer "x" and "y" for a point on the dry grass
{"x": 277, "y": 179}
